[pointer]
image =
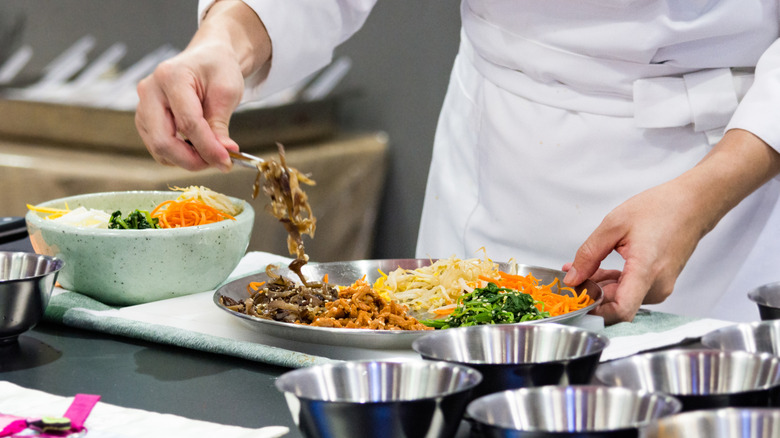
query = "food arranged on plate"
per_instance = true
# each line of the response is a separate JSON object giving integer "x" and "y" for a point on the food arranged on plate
{"x": 447, "y": 293}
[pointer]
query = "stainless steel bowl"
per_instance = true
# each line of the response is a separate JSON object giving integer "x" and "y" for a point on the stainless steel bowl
{"x": 378, "y": 399}
{"x": 26, "y": 282}
{"x": 767, "y": 298}
{"x": 581, "y": 411}
{"x": 754, "y": 337}
{"x": 719, "y": 423}
{"x": 514, "y": 356}
{"x": 700, "y": 379}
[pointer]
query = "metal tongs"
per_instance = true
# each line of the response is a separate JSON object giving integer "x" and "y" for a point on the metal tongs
{"x": 245, "y": 159}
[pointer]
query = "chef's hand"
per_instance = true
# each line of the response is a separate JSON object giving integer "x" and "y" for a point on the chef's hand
{"x": 192, "y": 95}
{"x": 657, "y": 230}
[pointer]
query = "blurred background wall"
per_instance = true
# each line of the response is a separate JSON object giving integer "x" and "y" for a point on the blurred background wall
{"x": 401, "y": 62}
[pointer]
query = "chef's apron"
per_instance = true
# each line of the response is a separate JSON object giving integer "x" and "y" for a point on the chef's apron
{"x": 549, "y": 125}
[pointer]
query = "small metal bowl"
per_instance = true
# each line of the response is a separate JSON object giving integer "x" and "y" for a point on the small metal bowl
{"x": 700, "y": 379}
{"x": 767, "y": 298}
{"x": 719, "y": 423}
{"x": 754, "y": 337}
{"x": 559, "y": 411}
{"x": 378, "y": 399}
{"x": 26, "y": 282}
{"x": 518, "y": 355}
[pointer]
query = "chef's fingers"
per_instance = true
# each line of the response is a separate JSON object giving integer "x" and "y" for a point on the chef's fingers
{"x": 596, "y": 248}
{"x": 197, "y": 99}
{"x": 600, "y": 275}
{"x": 223, "y": 94}
{"x": 622, "y": 298}
{"x": 157, "y": 127}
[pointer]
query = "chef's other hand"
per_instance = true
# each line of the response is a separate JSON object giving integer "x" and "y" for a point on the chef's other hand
{"x": 654, "y": 244}
{"x": 192, "y": 95}
{"x": 657, "y": 230}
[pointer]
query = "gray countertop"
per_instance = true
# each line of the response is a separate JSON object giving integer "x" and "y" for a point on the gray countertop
{"x": 136, "y": 374}
{"x": 144, "y": 375}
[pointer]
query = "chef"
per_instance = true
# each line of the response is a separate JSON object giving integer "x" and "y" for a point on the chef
{"x": 631, "y": 141}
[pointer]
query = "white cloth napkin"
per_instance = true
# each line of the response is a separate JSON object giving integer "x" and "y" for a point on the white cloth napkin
{"x": 623, "y": 346}
{"x": 110, "y": 421}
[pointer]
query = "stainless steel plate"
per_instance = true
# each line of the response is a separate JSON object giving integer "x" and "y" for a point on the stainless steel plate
{"x": 346, "y": 273}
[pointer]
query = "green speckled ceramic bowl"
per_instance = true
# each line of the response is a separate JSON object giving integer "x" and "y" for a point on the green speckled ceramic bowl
{"x": 126, "y": 267}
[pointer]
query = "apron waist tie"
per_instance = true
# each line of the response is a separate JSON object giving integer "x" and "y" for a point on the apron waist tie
{"x": 705, "y": 99}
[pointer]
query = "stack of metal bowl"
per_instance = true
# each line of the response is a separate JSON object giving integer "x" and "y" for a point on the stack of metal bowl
{"x": 558, "y": 411}
{"x": 26, "y": 283}
{"x": 699, "y": 378}
{"x": 380, "y": 399}
{"x": 518, "y": 355}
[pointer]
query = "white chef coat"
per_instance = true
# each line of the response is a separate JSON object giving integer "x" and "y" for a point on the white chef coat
{"x": 559, "y": 110}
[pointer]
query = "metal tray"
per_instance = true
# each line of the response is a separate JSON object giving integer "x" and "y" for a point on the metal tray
{"x": 346, "y": 273}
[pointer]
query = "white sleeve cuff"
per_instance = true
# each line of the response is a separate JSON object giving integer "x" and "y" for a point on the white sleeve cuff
{"x": 759, "y": 110}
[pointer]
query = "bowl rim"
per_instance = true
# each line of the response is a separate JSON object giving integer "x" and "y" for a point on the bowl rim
{"x": 35, "y": 219}
{"x": 668, "y": 399}
{"x": 711, "y": 339}
{"x": 601, "y": 339}
{"x": 726, "y": 413}
{"x": 755, "y": 296}
{"x": 292, "y": 375}
{"x": 56, "y": 262}
{"x": 645, "y": 357}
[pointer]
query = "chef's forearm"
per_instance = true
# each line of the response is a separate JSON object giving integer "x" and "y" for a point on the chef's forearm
{"x": 236, "y": 27}
{"x": 738, "y": 165}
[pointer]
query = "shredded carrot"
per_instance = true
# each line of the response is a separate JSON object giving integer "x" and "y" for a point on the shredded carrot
{"x": 549, "y": 301}
{"x": 187, "y": 213}
{"x": 444, "y": 310}
{"x": 254, "y": 286}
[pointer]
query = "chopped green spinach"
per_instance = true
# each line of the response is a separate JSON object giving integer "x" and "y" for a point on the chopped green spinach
{"x": 490, "y": 305}
{"x": 137, "y": 220}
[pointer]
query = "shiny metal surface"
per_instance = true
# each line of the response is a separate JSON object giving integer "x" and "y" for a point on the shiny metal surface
{"x": 378, "y": 398}
{"x": 518, "y": 355}
{"x": 719, "y": 423}
{"x": 26, "y": 282}
{"x": 700, "y": 378}
{"x": 246, "y": 160}
{"x": 767, "y": 298}
{"x": 754, "y": 337}
{"x": 346, "y": 273}
{"x": 587, "y": 410}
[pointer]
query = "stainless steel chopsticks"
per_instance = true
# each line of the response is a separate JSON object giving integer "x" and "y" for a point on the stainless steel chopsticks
{"x": 241, "y": 158}
{"x": 245, "y": 159}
